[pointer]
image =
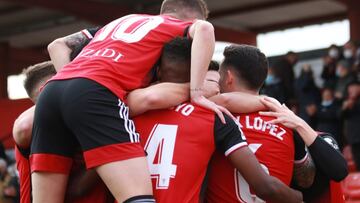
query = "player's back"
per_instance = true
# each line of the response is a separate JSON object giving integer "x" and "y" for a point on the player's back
{"x": 124, "y": 51}
{"x": 179, "y": 144}
{"x": 273, "y": 145}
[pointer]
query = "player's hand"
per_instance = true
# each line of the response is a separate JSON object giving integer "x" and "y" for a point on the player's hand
{"x": 282, "y": 114}
{"x": 219, "y": 110}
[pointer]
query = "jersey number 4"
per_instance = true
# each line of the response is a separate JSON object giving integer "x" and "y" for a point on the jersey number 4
{"x": 160, "y": 148}
{"x": 242, "y": 187}
{"x": 129, "y": 29}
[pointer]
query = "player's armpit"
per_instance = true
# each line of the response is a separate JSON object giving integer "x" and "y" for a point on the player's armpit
{"x": 159, "y": 96}
{"x": 22, "y": 128}
{"x": 238, "y": 102}
{"x": 304, "y": 172}
{"x": 266, "y": 187}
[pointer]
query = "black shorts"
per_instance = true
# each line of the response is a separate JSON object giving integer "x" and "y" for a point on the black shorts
{"x": 81, "y": 113}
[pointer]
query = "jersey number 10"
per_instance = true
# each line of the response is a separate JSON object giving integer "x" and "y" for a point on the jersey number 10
{"x": 129, "y": 29}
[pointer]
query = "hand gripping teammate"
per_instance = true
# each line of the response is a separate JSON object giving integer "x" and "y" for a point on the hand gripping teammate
{"x": 81, "y": 104}
{"x": 244, "y": 70}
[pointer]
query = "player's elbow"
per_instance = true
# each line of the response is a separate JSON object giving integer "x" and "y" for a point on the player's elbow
{"x": 205, "y": 27}
{"x": 341, "y": 172}
{"x": 22, "y": 133}
{"x": 54, "y": 44}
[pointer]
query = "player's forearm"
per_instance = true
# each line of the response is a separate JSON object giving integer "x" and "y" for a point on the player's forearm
{"x": 306, "y": 132}
{"x": 237, "y": 102}
{"x": 304, "y": 173}
{"x": 281, "y": 192}
{"x": 201, "y": 54}
{"x": 159, "y": 96}
{"x": 59, "y": 53}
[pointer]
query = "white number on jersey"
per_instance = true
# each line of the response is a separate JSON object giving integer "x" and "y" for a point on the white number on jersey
{"x": 140, "y": 27}
{"x": 242, "y": 187}
{"x": 160, "y": 148}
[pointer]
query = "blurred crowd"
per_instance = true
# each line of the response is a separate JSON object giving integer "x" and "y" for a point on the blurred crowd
{"x": 333, "y": 107}
{"x": 9, "y": 180}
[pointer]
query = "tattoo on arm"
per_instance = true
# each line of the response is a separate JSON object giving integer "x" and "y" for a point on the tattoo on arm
{"x": 304, "y": 173}
{"x": 76, "y": 42}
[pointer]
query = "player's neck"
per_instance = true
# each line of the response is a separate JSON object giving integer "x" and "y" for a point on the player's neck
{"x": 244, "y": 90}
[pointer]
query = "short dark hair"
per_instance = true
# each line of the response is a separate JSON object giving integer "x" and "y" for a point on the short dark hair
{"x": 214, "y": 65}
{"x": 249, "y": 64}
{"x": 177, "y": 6}
{"x": 177, "y": 56}
{"x": 36, "y": 74}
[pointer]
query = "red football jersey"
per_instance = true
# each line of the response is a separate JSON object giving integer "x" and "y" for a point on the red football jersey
{"x": 23, "y": 167}
{"x": 179, "y": 144}
{"x": 273, "y": 145}
{"x": 124, "y": 51}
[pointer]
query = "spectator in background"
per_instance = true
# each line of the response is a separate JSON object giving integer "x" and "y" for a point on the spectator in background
{"x": 349, "y": 52}
{"x": 327, "y": 115}
{"x": 329, "y": 70}
{"x": 343, "y": 71}
{"x": 307, "y": 94}
{"x": 284, "y": 69}
{"x": 351, "y": 115}
{"x": 273, "y": 87}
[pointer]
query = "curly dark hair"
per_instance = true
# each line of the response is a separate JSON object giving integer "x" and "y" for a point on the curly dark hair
{"x": 249, "y": 64}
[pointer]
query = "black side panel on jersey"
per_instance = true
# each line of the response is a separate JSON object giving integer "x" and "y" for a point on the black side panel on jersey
{"x": 327, "y": 158}
{"x": 24, "y": 152}
{"x": 186, "y": 32}
{"x": 299, "y": 145}
{"x": 227, "y": 135}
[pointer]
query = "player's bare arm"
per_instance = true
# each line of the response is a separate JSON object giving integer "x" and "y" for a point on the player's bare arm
{"x": 22, "y": 128}
{"x": 202, "y": 33}
{"x": 304, "y": 173}
{"x": 158, "y": 96}
{"x": 239, "y": 102}
{"x": 61, "y": 49}
{"x": 266, "y": 187}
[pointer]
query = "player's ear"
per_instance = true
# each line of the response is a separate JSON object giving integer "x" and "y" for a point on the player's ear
{"x": 229, "y": 77}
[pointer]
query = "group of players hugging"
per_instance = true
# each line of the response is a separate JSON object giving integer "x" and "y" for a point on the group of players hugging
{"x": 80, "y": 144}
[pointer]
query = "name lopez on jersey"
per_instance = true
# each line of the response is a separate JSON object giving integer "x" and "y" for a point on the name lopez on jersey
{"x": 106, "y": 53}
{"x": 257, "y": 123}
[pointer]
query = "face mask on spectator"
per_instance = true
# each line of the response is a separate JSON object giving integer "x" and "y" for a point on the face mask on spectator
{"x": 334, "y": 53}
{"x": 271, "y": 80}
{"x": 348, "y": 53}
{"x": 326, "y": 103}
{"x": 338, "y": 72}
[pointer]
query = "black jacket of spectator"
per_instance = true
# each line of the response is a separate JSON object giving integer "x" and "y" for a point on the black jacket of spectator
{"x": 328, "y": 120}
{"x": 284, "y": 70}
{"x": 276, "y": 91}
{"x": 307, "y": 94}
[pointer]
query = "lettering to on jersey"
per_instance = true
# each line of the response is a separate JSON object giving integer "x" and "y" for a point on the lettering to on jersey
{"x": 257, "y": 123}
{"x": 185, "y": 109}
{"x": 160, "y": 148}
